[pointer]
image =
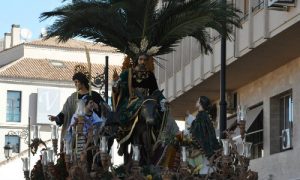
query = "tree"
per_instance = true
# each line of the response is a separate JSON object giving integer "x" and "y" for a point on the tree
{"x": 125, "y": 24}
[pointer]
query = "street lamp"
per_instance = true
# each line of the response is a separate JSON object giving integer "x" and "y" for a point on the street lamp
{"x": 54, "y": 137}
{"x": 223, "y": 104}
{"x": 36, "y": 139}
{"x": 8, "y": 150}
{"x": 26, "y": 167}
{"x": 23, "y": 134}
{"x": 36, "y": 131}
{"x": 101, "y": 80}
{"x": 241, "y": 120}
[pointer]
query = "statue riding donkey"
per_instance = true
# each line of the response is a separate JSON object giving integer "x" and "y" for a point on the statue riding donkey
{"x": 139, "y": 108}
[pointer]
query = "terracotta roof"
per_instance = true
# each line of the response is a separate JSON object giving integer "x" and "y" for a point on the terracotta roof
{"x": 72, "y": 43}
{"x": 45, "y": 69}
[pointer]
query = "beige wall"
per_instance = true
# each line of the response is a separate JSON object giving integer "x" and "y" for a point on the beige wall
{"x": 284, "y": 165}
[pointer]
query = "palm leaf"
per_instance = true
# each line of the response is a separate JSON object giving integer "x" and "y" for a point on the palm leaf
{"x": 118, "y": 22}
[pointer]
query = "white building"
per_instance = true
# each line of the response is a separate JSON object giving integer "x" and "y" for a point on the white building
{"x": 263, "y": 72}
{"x": 36, "y": 79}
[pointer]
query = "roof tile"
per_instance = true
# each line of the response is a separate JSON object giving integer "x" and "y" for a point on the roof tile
{"x": 72, "y": 43}
{"x": 42, "y": 69}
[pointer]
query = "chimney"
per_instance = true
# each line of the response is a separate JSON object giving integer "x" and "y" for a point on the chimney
{"x": 15, "y": 35}
{"x": 7, "y": 40}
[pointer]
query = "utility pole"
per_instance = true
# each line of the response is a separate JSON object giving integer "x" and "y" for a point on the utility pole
{"x": 223, "y": 104}
{"x": 106, "y": 79}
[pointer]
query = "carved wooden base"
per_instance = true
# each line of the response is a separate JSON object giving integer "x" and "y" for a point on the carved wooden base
{"x": 26, "y": 175}
{"x": 105, "y": 161}
{"x": 68, "y": 161}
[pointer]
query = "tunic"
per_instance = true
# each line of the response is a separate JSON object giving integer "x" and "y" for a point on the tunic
{"x": 204, "y": 133}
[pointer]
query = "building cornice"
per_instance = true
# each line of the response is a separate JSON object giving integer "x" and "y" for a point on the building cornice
{"x": 66, "y": 84}
{"x": 59, "y": 84}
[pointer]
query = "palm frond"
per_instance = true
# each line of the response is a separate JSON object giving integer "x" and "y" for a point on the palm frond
{"x": 148, "y": 15}
{"x": 118, "y": 22}
{"x": 192, "y": 19}
{"x": 73, "y": 22}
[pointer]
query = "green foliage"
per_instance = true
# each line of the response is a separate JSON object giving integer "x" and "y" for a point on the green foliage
{"x": 118, "y": 22}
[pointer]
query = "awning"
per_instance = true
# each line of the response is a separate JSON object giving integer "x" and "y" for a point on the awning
{"x": 231, "y": 122}
{"x": 252, "y": 115}
{"x": 232, "y": 125}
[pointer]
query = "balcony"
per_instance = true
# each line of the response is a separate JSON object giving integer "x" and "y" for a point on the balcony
{"x": 258, "y": 48}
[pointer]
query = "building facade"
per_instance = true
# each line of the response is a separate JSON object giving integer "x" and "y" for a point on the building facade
{"x": 263, "y": 65}
{"x": 36, "y": 80}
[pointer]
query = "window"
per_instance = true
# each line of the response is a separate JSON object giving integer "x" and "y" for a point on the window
{"x": 14, "y": 140}
{"x": 57, "y": 64}
{"x": 281, "y": 122}
{"x": 13, "y": 106}
{"x": 254, "y": 130}
{"x": 286, "y": 121}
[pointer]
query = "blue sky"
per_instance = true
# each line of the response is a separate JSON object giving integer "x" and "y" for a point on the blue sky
{"x": 26, "y": 14}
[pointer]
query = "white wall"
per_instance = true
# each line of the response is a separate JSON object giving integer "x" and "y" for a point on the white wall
{"x": 26, "y": 90}
{"x": 26, "y": 107}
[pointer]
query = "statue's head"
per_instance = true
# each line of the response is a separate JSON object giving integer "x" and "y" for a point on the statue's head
{"x": 203, "y": 103}
{"x": 142, "y": 59}
{"x": 89, "y": 103}
{"x": 80, "y": 81}
{"x": 144, "y": 62}
{"x": 141, "y": 63}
